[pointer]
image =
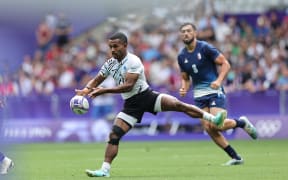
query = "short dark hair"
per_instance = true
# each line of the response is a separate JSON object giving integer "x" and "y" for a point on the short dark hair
{"x": 119, "y": 35}
{"x": 187, "y": 24}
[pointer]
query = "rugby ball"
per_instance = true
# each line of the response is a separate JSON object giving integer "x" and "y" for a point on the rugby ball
{"x": 79, "y": 104}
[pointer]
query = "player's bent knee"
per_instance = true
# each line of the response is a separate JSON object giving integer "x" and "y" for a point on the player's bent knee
{"x": 116, "y": 135}
{"x": 114, "y": 141}
{"x": 118, "y": 131}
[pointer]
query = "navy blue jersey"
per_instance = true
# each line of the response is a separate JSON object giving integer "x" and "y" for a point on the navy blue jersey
{"x": 200, "y": 65}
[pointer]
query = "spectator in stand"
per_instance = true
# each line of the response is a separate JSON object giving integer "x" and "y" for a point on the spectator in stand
{"x": 262, "y": 28}
{"x": 222, "y": 30}
{"x": 51, "y": 21}
{"x": 156, "y": 36}
{"x": 66, "y": 76}
{"x": 274, "y": 20}
{"x": 63, "y": 30}
{"x": 44, "y": 36}
{"x": 207, "y": 32}
{"x": 282, "y": 83}
{"x": 247, "y": 78}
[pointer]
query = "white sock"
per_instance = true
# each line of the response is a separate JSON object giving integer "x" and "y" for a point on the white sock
{"x": 106, "y": 166}
{"x": 208, "y": 116}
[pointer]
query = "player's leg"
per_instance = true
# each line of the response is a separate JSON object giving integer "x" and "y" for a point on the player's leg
{"x": 119, "y": 129}
{"x": 243, "y": 122}
{"x": 220, "y": 140}
{"x": 249, "y": 127}
{"x": 5, "y": 164}
{"x": 171, "y": 103}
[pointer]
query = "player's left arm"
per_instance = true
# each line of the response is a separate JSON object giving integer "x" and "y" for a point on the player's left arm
{"x": 224, "y": 69}
{"x": 127, "y": 86}
{"x": 185, "y": 84}
{"x": 91, "y": 85}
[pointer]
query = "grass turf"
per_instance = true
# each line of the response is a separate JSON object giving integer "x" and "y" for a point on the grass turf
{"x": 199, "y": 160}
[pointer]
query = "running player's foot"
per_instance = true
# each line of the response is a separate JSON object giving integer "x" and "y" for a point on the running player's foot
{"x": 249, "y": 128}
{"x": 97, "y": 173}
{"x": 219, "y": 118}
{"x": 6, "y": 165}
{"x": 233, "y": 162}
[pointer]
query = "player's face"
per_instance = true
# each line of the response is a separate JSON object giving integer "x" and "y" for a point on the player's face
{"x": 118, "y": 49}
{"x": 187, "y": 34}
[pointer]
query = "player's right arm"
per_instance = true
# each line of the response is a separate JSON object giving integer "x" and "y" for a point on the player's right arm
{"x": 185, "y": 84}
{"x": 93, "y": 83}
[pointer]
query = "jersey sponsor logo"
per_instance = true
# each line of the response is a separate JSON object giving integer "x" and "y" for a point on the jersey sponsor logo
{"x": 186, "y": 60}
{"x": 199, "y": 56}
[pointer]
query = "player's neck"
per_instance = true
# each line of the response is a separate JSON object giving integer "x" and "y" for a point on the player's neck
{"x": 191, "y": 47}
{"x": 122, "y": 58}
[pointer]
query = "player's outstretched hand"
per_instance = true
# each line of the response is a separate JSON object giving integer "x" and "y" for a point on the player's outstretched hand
{"x": 97, "y": 92}
{"x": 82, "y": 92}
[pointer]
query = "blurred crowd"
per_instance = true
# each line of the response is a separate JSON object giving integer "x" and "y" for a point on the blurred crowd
{"x": 257, "y": 52}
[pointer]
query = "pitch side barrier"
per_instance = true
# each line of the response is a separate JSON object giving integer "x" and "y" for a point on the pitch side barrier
{"x": 79, "y": 130}
{"x": 56, "y": 106}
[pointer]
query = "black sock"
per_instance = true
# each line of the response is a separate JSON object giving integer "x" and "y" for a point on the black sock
{"x": 231, "y": 152}
{"x": 239, "y": 123}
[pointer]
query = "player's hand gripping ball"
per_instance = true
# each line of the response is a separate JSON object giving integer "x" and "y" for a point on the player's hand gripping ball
{"x": 79, "y": 104}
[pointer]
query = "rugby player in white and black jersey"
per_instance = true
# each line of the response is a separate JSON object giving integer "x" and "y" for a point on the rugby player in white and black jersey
{"x": 128, "y": 72}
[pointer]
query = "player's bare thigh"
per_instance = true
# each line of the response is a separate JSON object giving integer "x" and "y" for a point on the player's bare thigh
{"x": 171, "y": 103}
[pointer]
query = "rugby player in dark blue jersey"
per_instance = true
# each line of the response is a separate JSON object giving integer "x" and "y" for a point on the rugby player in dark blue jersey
{"x": 199, "y": 62}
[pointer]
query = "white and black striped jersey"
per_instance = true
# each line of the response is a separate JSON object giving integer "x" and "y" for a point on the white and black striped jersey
{"x": 130, "y": 64}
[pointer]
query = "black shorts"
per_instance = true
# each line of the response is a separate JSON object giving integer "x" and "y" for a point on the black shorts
{"x": 136, "y": 105}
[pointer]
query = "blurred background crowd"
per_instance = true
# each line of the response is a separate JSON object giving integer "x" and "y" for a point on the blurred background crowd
{"x": 255, "y": 45}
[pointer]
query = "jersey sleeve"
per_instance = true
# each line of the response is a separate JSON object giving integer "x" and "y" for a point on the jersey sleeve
{"x": 211, "y": 52}
{"x": 104, "y": 70}
{"x": 135, "y": 67}
{"x": 179, "y": 58}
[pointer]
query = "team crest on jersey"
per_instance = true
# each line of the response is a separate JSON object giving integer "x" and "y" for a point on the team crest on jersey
{"x": 124, "y": 68}
{"x": 186, "y": 60}
{"x": 199, "y": 56}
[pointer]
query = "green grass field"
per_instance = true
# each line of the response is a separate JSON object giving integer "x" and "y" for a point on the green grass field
{"x": 199, "y": 160}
